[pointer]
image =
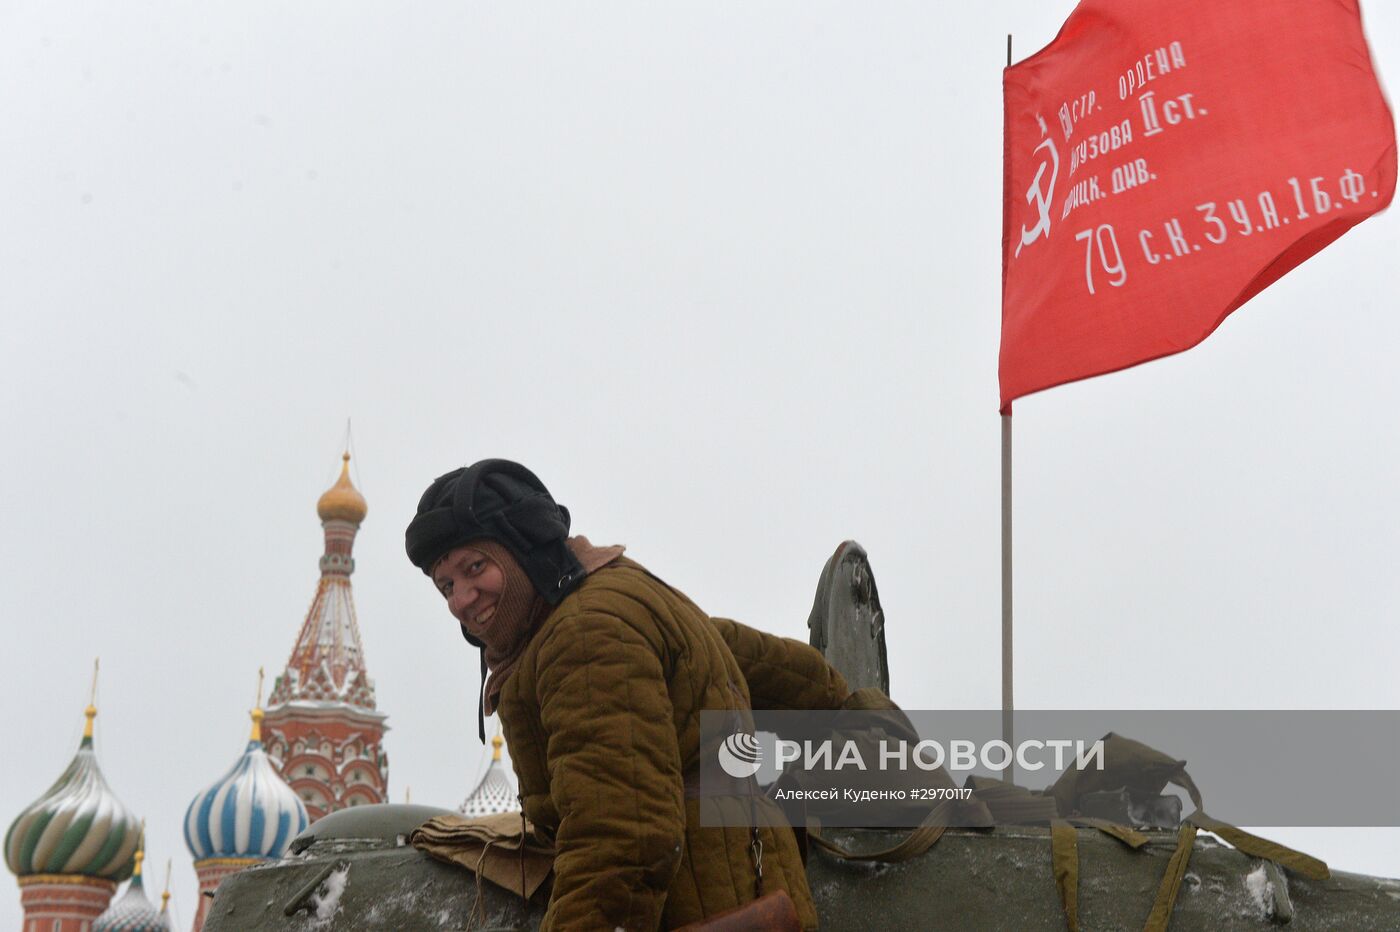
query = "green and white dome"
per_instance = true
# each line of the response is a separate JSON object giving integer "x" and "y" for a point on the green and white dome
{"x": 78, "y": 827}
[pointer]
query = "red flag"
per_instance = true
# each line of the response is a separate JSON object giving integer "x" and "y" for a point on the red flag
{"x": 1167, "y": 160}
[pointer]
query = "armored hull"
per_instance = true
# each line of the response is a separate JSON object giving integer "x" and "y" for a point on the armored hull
{"x": 354, "y": 870}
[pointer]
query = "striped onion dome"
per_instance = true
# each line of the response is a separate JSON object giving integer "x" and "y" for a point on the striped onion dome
{"x": 132, "y": 912}
{"x": 250, "y": 812}
{"x": 494, "y": 793}
{"x": 77, "y": 827}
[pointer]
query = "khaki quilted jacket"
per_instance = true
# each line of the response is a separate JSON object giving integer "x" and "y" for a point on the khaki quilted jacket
{"x": 602, "y": 716}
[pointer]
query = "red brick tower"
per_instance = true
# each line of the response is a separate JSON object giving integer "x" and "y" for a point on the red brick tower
{"x": 322, "y": 729}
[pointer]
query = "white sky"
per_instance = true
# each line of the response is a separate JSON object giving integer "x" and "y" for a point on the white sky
{"x": 726, "y": 276}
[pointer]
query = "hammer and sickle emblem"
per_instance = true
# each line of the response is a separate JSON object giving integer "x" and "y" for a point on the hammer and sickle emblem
{"x": 1040, "y": 197}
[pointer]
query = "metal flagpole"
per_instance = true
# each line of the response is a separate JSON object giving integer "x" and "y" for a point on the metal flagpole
{"x": 1006, "y": 700}
{"x": 1007, "y": 706}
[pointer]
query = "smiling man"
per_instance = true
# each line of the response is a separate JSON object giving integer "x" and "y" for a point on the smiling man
{"x": 599, "y": 671}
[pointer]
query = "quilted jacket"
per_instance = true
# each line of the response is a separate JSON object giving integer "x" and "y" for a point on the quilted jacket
{"x": 602, "y": 716}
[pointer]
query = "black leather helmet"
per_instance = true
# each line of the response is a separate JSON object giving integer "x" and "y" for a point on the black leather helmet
{"x": 502, "y": 501}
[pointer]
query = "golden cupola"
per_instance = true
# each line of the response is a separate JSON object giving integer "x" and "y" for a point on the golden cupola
{"x": 342, "y": 501}
{"x": 342, "y": 508}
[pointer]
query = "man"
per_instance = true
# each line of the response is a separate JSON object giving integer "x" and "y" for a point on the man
{"x": 599, "y": 671}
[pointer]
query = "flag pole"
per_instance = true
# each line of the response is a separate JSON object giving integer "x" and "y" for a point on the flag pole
{"x": 1007, "y": 706}
{"x": 1009, "y": 772}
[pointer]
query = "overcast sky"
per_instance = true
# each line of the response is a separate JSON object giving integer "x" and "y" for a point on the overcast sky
{"x": 726, "y": 276}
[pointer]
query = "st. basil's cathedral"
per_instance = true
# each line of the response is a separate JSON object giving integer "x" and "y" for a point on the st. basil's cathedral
{"x": 316, "y": 748}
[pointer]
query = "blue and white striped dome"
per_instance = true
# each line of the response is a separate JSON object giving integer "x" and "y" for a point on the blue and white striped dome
{"x": 250, "y": 813}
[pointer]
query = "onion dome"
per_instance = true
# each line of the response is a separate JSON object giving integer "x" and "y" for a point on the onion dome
{"x": 494, "y": 793}
{"x": 132, "y": 912}
{"x": 250, "y": 813}
{"x": 78, "y": 827}
{"x": 342, "y": 501}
